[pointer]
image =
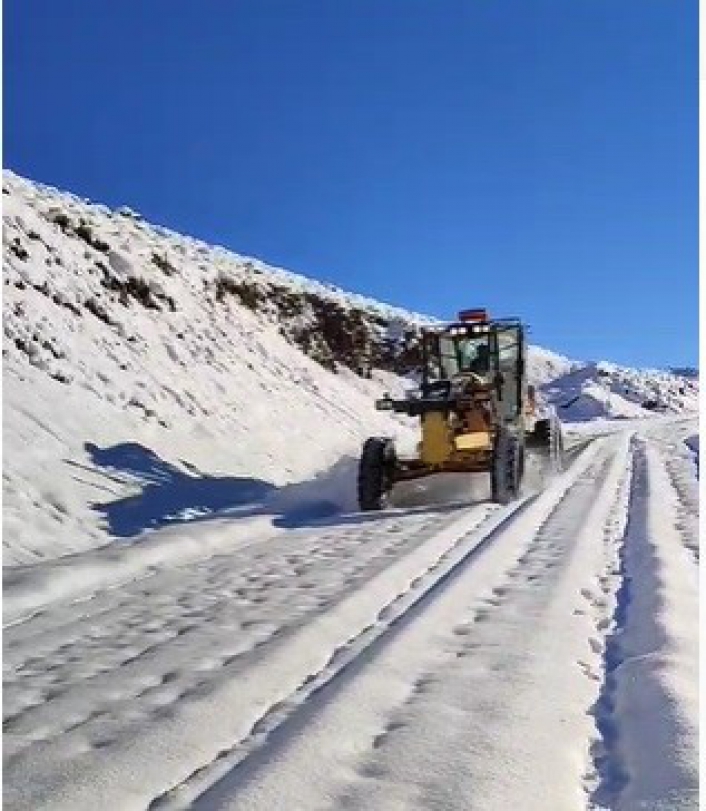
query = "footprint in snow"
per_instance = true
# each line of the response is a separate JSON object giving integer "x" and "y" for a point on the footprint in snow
{"x": 596, "y": 645}
{"x": 380, "y": 740}
{"x": 588, "y": 671}
{"x": 422, "y": 683}
{"x": 604, "y": 624}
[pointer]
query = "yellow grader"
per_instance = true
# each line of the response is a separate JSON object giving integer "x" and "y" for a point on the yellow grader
{"x": 477, "y": 413}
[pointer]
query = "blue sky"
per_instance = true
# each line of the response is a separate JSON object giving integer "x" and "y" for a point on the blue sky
{"x": 536, "y": 157}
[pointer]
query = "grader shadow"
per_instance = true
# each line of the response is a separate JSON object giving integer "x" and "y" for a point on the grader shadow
{"x": 167, "y": 495}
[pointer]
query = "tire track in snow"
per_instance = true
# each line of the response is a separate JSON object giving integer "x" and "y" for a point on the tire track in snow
{"x": 686, "y": 497}
{"x": 639, "y": 732}
{"x": 525, "y": 585}
{"x": 606, "y": 775}
{"x": 550, "y": 520}
{"x": 345, "y": 656}
{"x": 417, "y": 544}
{"x": 85, "y": 648}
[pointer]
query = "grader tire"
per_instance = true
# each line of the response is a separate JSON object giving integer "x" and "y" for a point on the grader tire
{"x": 542, "y": 434}
{"x": 548, "y": 443}
{"x": 375, "y": 473}
{"x": 507, "y": 468}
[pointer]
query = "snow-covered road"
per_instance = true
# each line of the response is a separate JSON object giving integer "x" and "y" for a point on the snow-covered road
{"x": 464, "y": 657}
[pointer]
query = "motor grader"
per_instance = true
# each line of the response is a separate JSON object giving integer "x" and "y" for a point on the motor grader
{"x": 476, "y": 411}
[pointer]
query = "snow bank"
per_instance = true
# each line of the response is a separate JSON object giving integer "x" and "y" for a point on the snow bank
{"x": 656, "y": 680}
{"x": 606, "y": 391}
{"x": 28, "y": 589}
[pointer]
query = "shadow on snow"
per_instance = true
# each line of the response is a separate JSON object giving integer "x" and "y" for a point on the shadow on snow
{"x": 170, "y": 495}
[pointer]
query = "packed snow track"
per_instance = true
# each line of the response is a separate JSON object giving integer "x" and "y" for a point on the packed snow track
{"x": 450, "y": 657}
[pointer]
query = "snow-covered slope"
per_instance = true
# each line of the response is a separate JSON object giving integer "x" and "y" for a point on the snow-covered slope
{"x": 134, "y": 355}
{"x": 115, "y": 332}
{"x": 290, "y": 651}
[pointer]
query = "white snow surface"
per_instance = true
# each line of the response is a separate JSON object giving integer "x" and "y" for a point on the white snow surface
{"x": 197, "y": 617}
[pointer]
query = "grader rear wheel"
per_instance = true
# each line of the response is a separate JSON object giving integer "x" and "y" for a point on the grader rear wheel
{"x": 507, "y": 468}
{"x": 548, "y": 440}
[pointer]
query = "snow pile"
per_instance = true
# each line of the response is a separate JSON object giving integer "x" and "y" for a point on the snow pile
{"x": 605, "y": 390}
{"x": 544, "y": 366}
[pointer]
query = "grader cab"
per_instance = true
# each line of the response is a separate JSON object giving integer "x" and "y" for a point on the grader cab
{"x": 476, "y": 412}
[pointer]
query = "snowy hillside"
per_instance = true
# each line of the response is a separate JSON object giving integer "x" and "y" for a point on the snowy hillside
{"x": 120, "y": 334}
{"x": 194, "y": 609}
{"x": 115, "y": 332}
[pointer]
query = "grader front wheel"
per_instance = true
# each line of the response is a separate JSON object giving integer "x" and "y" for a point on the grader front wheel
{"x": 375, "y": 473}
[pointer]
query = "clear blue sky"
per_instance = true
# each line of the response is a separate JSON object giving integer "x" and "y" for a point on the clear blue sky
{"x": 537, "y": 156}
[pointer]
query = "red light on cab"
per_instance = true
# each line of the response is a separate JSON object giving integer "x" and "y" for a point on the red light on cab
{"x": 478, "y": 315}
